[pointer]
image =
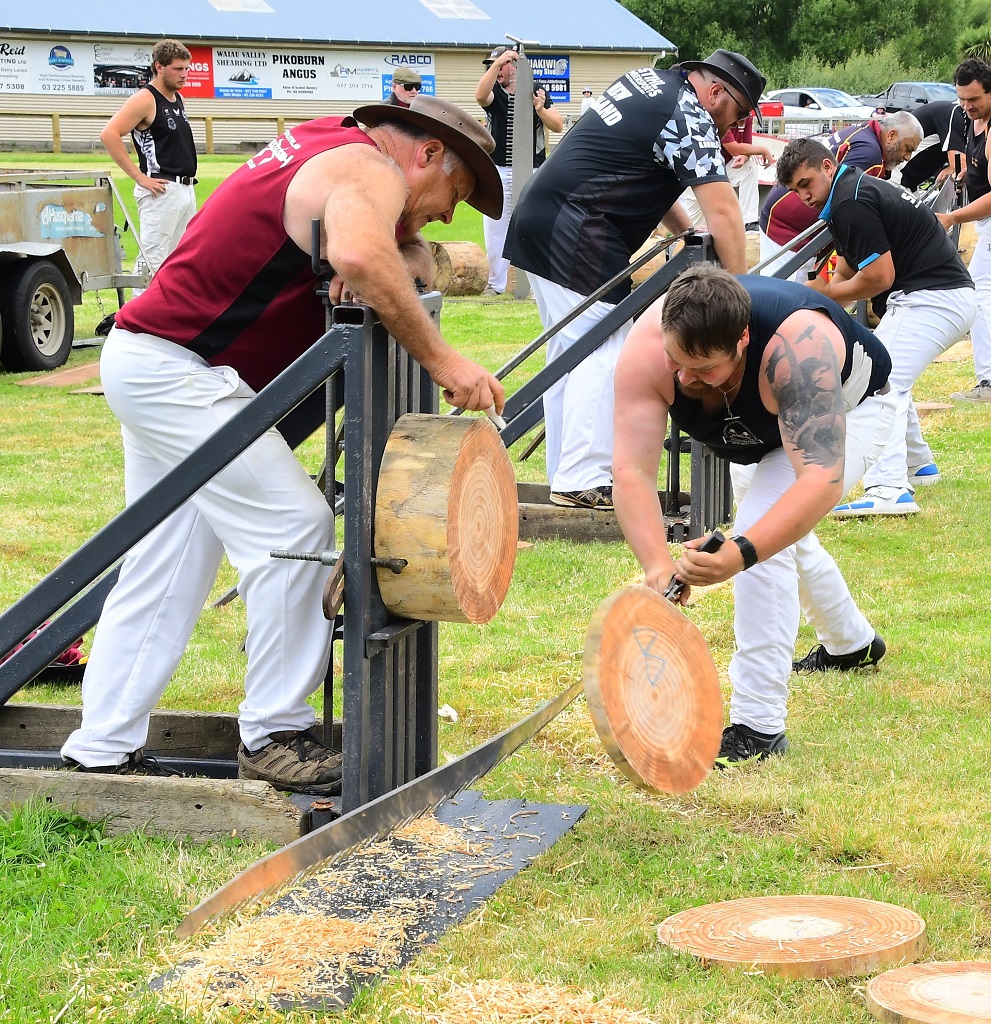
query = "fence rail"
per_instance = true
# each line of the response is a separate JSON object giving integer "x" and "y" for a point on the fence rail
{"x": 82, "y": 130}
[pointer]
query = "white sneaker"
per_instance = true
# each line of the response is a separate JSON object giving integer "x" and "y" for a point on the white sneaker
{"x": 980, "y": 393}
{"x": 880, "y": 501}
{"x": 924, "y": 475}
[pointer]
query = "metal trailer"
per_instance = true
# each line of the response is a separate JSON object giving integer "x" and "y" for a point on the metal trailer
{"x": 58, "y": 239}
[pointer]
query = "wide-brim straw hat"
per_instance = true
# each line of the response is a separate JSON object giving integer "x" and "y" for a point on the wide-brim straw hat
{"x": 455, "y": 128}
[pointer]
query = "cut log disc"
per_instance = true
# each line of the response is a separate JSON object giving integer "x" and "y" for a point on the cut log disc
{"x": 446, "y": 503}
{"x": 798, "y": 936}
{"x": 652, "y": 690}
{"x": 947, "y": 993}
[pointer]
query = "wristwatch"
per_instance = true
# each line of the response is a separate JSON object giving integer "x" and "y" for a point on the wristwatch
{"x": 747, "y": 549}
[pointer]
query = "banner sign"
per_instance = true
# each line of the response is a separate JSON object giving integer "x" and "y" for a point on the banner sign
{"x": 553, "y": 73}
{"x": 218, "y": 72}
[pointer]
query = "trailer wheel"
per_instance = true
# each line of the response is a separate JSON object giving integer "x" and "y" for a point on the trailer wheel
{"x": 38, "y": 320}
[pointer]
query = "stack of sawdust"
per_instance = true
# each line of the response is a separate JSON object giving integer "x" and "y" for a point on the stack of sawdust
{"x": 511, "y": 1002}
{"x": 280, "y": 955}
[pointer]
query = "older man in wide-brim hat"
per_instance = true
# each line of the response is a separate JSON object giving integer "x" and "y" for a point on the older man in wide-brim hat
{"x": 614, "y": 176}
{"x": 233, "y": 307}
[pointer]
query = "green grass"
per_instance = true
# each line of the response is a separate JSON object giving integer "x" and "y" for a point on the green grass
{"x": 883, "y": 794}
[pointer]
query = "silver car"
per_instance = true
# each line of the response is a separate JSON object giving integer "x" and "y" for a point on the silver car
{"x": 818, "y": 110}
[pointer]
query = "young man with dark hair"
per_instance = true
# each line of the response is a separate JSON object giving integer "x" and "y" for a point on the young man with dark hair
{"x": 972, "y": 79}
{"x": 155, "y": 118}
{"x": 876, "y": 147}
{"x": 792, "y": 391}
{"x": 887, "y": 243}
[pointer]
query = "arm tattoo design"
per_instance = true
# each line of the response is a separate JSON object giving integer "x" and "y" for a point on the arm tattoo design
{"x": 808, "y": 391}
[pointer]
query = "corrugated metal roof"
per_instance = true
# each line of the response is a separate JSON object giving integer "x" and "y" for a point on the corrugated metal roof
{"x": 588, "y": 25}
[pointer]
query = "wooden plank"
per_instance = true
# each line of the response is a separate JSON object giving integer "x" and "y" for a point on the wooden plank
{"x": 545, "y": 522}
{"x": 198, "y": 809}
{"x": 179, "y": 734}
{"x": 97, "y": 390}
{"x": 60, "y": 378}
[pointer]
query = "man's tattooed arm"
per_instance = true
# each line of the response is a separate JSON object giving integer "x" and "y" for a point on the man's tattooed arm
{"x": 803, "y": 373}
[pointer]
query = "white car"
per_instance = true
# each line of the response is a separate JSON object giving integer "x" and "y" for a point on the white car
{"x": 820, "y": 106}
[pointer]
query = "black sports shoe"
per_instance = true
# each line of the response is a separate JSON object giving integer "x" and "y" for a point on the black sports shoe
{"x": 741, "y": 743}
{"x": 819, "y": 659}
{"x": 598, "y": 498}
{"x": 137, "y": 763}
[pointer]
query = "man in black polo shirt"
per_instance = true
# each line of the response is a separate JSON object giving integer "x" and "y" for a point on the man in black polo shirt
{"x": 887, "y": 241}
{"x": 945, "y": 132}
{"x": 617, "y": 173}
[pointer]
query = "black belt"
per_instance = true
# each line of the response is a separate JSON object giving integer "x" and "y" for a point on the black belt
{"x": 180, "y": 179}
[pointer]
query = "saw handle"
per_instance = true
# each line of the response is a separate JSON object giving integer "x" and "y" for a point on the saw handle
{"x": 713, "y": 542}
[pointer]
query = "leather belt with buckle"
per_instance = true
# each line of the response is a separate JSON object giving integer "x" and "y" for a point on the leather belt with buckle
{"x": 179, "y": 179}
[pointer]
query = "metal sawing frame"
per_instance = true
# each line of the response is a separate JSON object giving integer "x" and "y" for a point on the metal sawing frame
{"x": 389, "y": 665}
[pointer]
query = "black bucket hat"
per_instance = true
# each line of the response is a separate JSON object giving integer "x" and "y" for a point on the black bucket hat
{"x": 738, "y": 71}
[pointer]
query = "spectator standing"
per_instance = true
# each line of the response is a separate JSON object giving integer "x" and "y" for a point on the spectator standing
{"x": 496, "y": 94}
{"x": 888, "y": 243}
{"x": 156, "y": 120}
{"x": 617, "y": 173}
{"x": 587, "y": 100}
{"x": 406, "y": 85}
{"x": 972, "y": 79}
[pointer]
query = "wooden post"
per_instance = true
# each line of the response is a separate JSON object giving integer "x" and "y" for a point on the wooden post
{"x": 209, "y": 134}
{"x": 56, "y": 133}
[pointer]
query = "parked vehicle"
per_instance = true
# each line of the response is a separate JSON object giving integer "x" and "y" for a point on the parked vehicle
{"x": 909, "y": 95}
{"x": 57, "y": 240}
{"x": 813, "y": 104}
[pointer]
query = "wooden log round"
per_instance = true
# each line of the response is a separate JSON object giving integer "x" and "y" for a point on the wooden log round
{"x": 798, "y": 936}
{"x": 446, "y": 503}
{"x": 652, "y": 690}
{"x": 442, "y": 267}
{"x": 461, "y": 268}
{"x": 941, "y": 993}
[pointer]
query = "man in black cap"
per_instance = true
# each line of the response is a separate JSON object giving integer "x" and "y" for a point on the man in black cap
{"x": 233, "y": 306}
{"x": 406, "y": 84}
{"x": 616, "y": 174}
{"x": 496, "y": 93}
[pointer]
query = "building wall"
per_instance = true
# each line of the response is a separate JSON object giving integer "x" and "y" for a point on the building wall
{"x": 26, "y": 122}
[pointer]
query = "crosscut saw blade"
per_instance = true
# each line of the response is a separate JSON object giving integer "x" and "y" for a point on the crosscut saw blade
{"x": 364, "y": 824}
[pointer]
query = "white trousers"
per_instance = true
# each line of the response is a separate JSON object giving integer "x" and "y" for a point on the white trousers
{"x": 804, "y": 576}
{"x": 916, "y": 328}
{"x": 578, "y": 409}
{"x": 744, "y": 180}
{"x": 162, "y": 219}
{"x": 495, "y": 234}
{"x": 168, "y": 401}
{"x": 980, "y": 271}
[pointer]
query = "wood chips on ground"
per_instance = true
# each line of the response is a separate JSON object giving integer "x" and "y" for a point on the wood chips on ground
{"x": 511, "y": 1002}
{"x": 279, "y": 955}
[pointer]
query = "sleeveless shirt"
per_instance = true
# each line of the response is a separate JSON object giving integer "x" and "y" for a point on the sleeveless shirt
{"x": 166, "y": 146}
{"x": 753, "y": 430}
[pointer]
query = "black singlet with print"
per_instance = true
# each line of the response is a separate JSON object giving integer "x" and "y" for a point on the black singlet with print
{"x": 748, "y": 432}
{"x": 166, "y": 146}
{"x": 611, "y": 179}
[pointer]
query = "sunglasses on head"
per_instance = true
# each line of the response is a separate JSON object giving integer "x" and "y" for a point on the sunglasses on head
{"x": 410, "y": 88}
